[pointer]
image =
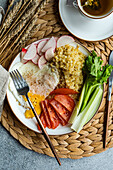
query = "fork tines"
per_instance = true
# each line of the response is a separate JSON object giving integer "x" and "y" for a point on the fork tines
{"x": 18, "y": 80}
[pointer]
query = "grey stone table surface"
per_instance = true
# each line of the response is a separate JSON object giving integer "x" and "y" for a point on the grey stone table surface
{"x": 13, "y": 156}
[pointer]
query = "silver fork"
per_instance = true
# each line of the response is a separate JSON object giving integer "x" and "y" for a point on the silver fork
{"x": 23, "y": 89}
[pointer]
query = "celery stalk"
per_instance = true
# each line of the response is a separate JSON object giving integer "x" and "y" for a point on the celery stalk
{"x": 87, "y": 96}
{"x": 96, "y": 106}
{"x": 78, "y": 106}
{"x": 89, "y": 110}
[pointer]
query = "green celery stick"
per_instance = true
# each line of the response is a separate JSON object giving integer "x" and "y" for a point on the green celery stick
{"x": 78, "y": 106}
{"x": 89, "y": 110}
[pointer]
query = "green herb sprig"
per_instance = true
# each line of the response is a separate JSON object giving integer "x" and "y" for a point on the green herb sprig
{"x": 96, "y": 75}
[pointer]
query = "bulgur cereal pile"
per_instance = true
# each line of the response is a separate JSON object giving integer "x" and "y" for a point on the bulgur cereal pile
{"x": 69, "y": 62}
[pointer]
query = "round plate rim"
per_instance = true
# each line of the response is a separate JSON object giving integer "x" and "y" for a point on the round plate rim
{"x": 20, "y": 119}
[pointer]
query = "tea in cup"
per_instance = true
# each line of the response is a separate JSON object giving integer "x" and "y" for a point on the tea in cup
{"x": 95, "y": 9}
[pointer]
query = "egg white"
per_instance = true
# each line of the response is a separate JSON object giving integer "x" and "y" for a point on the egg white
{"x": 41, "y": 81}
{"x": 13, "y": 90}
{"x": 25, "y": 69}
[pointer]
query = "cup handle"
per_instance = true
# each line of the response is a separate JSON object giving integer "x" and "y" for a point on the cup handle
{"x": 75, "y": 4}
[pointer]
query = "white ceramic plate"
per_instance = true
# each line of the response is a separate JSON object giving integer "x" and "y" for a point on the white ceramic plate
{"x": 83, "y": 27}
{"x": 19, "y": 110}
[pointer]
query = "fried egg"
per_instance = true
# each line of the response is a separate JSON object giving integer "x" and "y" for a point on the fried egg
{"x": 41, "y": 83}
{"x": 13, "y": 90}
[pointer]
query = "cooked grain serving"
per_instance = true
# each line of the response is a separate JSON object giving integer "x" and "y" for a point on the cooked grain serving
{"x": 69, "y": 62}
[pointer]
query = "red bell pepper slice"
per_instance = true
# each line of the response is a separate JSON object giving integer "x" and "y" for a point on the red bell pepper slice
{"x": 63, "y": 91}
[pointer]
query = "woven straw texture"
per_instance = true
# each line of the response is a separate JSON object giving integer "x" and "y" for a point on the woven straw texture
{"x": 90, "y": 140}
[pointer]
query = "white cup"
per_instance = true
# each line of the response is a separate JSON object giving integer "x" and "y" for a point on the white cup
{"x": 77, "y": 4}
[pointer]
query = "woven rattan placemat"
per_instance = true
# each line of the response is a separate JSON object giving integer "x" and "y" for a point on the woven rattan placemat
{"x": 90, "y": 140}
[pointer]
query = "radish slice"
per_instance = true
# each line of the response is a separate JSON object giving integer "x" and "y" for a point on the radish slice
{"x": 24, "y": 61}
{"x": 50, "y": 44}
{"x": 36, "y": 45}
{"x": 41, "y": 62}
{"x": 64, "y": 40}
{"x": 22, "y": 56}
{"x": 35, "y": 60}
{"x": 49, "y": 54}
{"x": 56, "y": 38}
{"x": 40, "y": 45}
{"x": 31, "y": 52}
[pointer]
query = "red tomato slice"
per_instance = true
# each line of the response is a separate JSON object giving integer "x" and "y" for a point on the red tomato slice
{"x": 24, "y": 50}
{"x": 42, "y": 118}
{"x": 52, "y": 115}
{"x": 62, "y": 121}
{"x": 63, "y": 91}
{"x": 66, "y": 101}
{"x": 44, "y": 109}
{"x": 65, "y": 114}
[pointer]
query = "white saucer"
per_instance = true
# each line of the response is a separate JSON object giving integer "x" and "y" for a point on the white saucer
{"x": 84, "y": 27}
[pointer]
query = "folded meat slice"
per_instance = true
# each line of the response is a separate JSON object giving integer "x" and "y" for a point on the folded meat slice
{"x": 42, "y": 118}
{"x": 66, "y": 101}
{"x": 60, "y": 109}
{"x": 46, "y": 114}
{"x": 61, "y": 120}
{"x": 52, "y": 115}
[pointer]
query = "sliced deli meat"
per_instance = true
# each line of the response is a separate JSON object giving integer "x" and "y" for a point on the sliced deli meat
{"x": 63, "y": 112}
{"x": 42, "y": 118}
{"x": 64, "y": 40}
{"x": 49, "y": 54}
{"x": 31, "y": 52}
{"x": 57, "y": 106}
{"x": 66, "y": 101}
{"x": 51, "y": 43}
{"x": 44, "y": 109}
{"x": 61, "y": 120}
{"x": 52, "y": 115}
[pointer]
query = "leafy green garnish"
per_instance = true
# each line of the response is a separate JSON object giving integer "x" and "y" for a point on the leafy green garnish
{"x": 92, "y": 64}
{"x": 94, "y": 70}
{"x": 96, "y": 75}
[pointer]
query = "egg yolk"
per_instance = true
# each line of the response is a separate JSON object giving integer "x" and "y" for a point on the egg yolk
{"x": 35, "y": 100}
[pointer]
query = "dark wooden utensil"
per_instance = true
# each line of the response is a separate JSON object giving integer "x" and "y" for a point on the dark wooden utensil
{"x": 106, "y": 123}
{"x": 108, "y": 102}
{"x": 22, "y": 89}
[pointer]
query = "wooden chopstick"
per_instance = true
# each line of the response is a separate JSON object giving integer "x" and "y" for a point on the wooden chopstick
{"x": 106, "y": 123}
{"x": 44, "y": 131}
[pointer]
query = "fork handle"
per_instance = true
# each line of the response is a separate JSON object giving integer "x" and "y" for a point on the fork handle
{"x": 43, "y": 130}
